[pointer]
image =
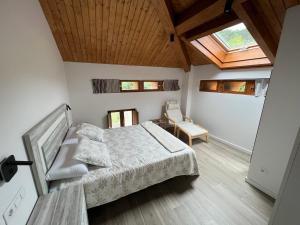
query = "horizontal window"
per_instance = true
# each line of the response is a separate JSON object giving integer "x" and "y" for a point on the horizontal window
{"x": 152, "y": 85}
{"x": 130, "y": 86}
{"x": 209, "y": 85}
{"x": 245, "y": 87}
{"x": 141, "y": 85}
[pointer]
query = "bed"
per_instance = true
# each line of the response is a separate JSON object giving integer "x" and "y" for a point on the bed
{"x": 139, "y": 160}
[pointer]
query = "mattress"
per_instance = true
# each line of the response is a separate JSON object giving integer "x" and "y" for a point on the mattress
{"x": 139, "y": 161}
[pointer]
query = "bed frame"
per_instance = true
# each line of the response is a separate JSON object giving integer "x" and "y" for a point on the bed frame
{"x": 42, "y": 143}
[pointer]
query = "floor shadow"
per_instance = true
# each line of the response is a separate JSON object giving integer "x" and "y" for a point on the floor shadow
{"x": 104, "y": 213}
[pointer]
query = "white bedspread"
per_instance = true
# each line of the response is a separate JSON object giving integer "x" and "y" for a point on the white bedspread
{"x": 139, "y": 161}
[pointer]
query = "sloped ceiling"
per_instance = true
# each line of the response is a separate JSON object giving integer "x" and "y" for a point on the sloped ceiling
{"x": 137, "y": 32}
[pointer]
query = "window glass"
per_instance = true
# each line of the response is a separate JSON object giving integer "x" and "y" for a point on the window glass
{"x": 128, "y": 118}
{"x": 235, "y": 37}
{"x": 129, "y": 85}
{"x": 151, "y": 85}
{"x": 115, "y": 119}
{"x": 209, "y": 85}
{"x": 234, "y": 86}
{"x": 244, "y": 87}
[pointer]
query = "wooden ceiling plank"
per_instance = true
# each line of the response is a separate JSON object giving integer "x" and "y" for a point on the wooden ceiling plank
{"x": 257, "y": 27}
{"x": 165, "y": 17}
{"x": 105, "y": 21}
{"x": 87, "y": 29}
{"x": 137, "y": 21}
{"x": 279, "y": 8}
{"x": 291, "y": 3}
{"x": 111, "y": 27}
{"x": 121, "y": 35}
{"x": 92, "y": 18}
{"x": 137, "y": 32}
{"x": 166, "y": 60}
{"x": 266, "y": 10}
{"x": 79, "y": 25}
{"x": 74, "y": 30}
{"x": 125, "y": 34}
{"x": 150, "y": 42}
{"x": 129, "y": 24}
{"x": 55, "y": 31}
{"x": 193, "y": 10}
{"x": 59, "y": 22}
{"x": 143, "y": 46}
{"x": 158, "y": 43}
{"x": 116, "y": 34}
{"x": 215, "y": 25}
{"x": 197, "y": 58}
{"x": 180, "y": 6}
{"x": 146, "y": 25}
{"x": 157, "y": 60}
{"x": 203, "y": 16}
{"x": 99, "y": 30}
{"x": 67, "y": 28}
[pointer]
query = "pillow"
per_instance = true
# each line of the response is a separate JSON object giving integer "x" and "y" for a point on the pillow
{"x": 64, "y": 166}
{"x": 92, "y": 132}
{"x": 71, "y": 132}
{"x": 92, "y": 152}
{"x": 71, "y": 137}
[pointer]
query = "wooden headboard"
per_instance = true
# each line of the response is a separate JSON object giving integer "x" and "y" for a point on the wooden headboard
{"x": 42, "y": 143}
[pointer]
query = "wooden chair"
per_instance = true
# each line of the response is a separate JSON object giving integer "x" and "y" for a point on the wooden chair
{"x": 183, "y": 123}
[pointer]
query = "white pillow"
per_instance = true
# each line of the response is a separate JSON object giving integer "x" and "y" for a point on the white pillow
{"x": 71, "y": 137}
{"x": 91, "y": 131}
{"x": 92, "y": 152}
{"x": 71, "y": 132}
{"x": 64, "y": 166}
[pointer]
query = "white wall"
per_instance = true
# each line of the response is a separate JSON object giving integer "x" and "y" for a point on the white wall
{"x": 286, "y": 210}
{"x": 281, "y": 114}
{"x": 232, "y": 119}
{"x": 93, "y": 108}
{"x": 32, "y": 84}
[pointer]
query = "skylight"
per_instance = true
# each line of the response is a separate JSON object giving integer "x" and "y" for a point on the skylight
{"x": 235, "y": 37}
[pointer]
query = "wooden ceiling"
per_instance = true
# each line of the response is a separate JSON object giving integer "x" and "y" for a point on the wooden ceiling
{"x": 137, "y": 32}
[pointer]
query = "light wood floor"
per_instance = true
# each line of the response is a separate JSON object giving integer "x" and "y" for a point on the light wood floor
{"x": 219, "y": 196}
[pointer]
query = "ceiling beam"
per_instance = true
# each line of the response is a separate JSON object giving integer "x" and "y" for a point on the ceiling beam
{"x": 257, "y": 26}
{"x": 198, "y": 14}
{"x": 291, "y": 3}
{"x": 219, "y": 23}
{"x": 166, "y": 16}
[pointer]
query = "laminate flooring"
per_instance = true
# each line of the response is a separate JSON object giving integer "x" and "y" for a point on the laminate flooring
{"x": 219, "y": 196}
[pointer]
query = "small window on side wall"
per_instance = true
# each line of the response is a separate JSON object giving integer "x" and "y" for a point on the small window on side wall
{"x": 129, "y": 85}
{"x": 244, "y": 87}
{"x": 152, "y": 85}
{"x": 209, "y": 85}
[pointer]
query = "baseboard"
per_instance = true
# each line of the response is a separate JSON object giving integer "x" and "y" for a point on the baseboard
{"x": 231, "y": 145}
{"x": 261, "y": 188}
